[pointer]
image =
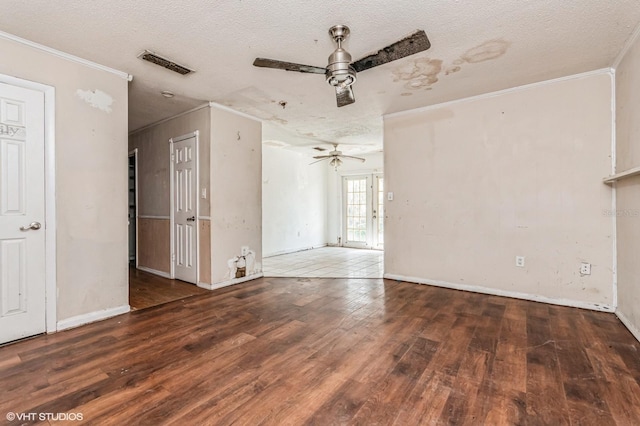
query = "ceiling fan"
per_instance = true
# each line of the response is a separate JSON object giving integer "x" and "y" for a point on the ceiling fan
{"x": 335, "y": 156}
{"x": 341, "y": 72}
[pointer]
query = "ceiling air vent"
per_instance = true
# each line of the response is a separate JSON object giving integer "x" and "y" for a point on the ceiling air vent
{"x": 164, "y": 63}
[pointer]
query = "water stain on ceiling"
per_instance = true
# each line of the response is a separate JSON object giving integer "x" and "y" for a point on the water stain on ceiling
{"x": 452, "y": 70}
{"x": 487, "y": 51}
{"x": 421, "y": 73}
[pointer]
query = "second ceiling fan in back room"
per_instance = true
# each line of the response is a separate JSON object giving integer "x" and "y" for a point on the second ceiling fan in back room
{"x": 341, "y": 72}
{"x": 335, "y": 156}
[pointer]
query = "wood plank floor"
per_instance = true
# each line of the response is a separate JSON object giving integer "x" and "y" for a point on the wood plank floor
{"x": 333, "y": 351}
{"x": 146, "y": 290}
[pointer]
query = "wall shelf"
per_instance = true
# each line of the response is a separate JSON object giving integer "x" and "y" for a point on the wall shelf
{"x": 627, "y": 173}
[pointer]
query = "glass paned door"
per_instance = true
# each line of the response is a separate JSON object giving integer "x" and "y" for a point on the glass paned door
{"x": 356, "y": 193}
{"x": 363, "y": 207}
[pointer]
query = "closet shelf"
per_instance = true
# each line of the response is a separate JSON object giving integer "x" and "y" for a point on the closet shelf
{"x": 627, "y": 173}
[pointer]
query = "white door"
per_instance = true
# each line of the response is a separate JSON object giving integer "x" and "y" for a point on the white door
{"x": 356, "y": 192}
{"x": 363, "y": 206}
{"x": 22, "y": 237}
{"x": 185, "y": 204}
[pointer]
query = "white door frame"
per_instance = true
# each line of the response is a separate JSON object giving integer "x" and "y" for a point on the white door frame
{"x": 51, "y": 314}
{"x": 195, "y": 134}
{"x": 134, "y": 154}
{"x": 343, "y": 208}
{"x": 379, "y": 213}
{"x": 371, "y": 175}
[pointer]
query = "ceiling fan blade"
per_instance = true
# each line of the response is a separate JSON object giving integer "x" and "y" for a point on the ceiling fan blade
{"x": 410, "y": 45}
{"x": 288, "y": 66}
{"x": 353, "y": 158}
{"x": 323, "y": 156}
{"x": 344, "y": 96}
{"x": 317, "y": 161}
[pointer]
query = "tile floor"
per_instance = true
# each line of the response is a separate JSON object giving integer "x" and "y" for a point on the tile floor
{"x": 327, "y": 262}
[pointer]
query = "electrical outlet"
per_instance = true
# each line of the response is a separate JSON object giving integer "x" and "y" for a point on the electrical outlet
{"x": 244, "y": 250}
{"x": 520, "y": 261}
{"x": 585, "y": 268}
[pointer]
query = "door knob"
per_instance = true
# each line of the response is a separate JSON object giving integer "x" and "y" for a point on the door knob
{"x": 191, "y": 219}
{"x": 33, "y": 225}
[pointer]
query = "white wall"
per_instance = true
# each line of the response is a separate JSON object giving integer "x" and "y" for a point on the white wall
{"x": 628, "y": 190}
{"x": 294, "y": 201}
{"x": 373, "y": 164}
{"x": 236, "y": 190}
{"x": 478, "y": 182}
{"x": 91, "y": 180}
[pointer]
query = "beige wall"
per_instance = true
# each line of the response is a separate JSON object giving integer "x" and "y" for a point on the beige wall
{"x": 628, "y": 190}
{"x": 205, "y": 252}
{"x": 153, "y": 161}
{"x": 91, "y": 179}
{"x": 236, "y": 195}
{"x": 154, "y": 207}
{"x": 479, "y": 182}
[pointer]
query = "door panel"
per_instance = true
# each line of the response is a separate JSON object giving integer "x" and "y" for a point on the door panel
{"x": 357, "y": 214}
{"x": 185, "y": 207}
{"x": 363, "y": 211}
{"x": 22, "y": 247}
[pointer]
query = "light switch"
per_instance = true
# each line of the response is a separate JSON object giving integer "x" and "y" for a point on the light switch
{"x": 390, "y": 196}
{"x": 204, "y": 193}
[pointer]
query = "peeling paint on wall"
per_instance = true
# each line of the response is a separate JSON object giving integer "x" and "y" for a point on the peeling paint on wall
{"x": 421, "y": 74}
{"x": 96, "y": 98}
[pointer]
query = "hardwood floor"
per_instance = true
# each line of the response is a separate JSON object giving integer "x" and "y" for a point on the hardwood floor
{"x": 333, "y": 351}
{"x": 146, "y": 290}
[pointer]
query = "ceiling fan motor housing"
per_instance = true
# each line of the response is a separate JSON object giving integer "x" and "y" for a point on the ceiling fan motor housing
{"x": 339, "y": 71}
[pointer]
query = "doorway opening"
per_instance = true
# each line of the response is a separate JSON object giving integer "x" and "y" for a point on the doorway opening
{"x": 149, "y": 287}
{"x": 355, "y": 215}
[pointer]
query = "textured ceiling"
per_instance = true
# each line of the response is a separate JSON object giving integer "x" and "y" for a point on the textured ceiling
{"x": 477, "y": 47}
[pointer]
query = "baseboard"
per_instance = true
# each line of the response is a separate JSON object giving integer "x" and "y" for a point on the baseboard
{"x": 154, "y": 271}
{"x": 504, "y": 293}
{"x": 230, "y": 282}
{"x": 91, "y": 317}
{"x": 627, "y": 323}
{"x": 289, "y": 251}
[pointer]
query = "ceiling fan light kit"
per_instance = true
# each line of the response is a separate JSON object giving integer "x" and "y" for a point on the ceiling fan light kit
{"x": 336, "y": 157}
{"x": 341, "y": 71}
